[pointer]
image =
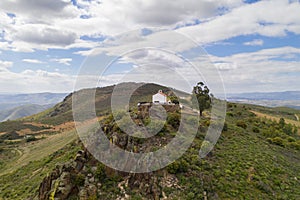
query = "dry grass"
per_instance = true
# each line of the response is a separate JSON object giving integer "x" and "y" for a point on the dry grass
{"x": 39, "y": 149}
{"x": 263, "y": 115}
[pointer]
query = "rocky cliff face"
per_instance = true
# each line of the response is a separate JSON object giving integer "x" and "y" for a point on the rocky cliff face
{"x": 85, "y": 178}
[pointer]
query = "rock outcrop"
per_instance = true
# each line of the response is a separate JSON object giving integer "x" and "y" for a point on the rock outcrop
{"x": 64, "y": 180}
{"x": 80, "y": 179}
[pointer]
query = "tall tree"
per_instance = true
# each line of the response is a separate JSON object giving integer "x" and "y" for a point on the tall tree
{"x": 201, "y": 93}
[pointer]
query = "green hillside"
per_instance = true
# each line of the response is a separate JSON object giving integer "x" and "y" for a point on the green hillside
{"x": 256, "y": 157}
{"x": 62, "y": 112}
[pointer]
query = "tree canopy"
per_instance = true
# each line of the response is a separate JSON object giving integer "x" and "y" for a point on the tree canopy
{"x": 202, "y": 94}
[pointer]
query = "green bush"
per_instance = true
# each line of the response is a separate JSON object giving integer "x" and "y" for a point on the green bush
{"x": 30, "y": 138}
{"x": 174, "y": 120}
{"x": 100, "y": 172}
{"x": 178, "y": 166}
{"x": 79, "y": 180}
{"x": 294, "y": 145}
{"x": 291, "y": 139}
{"x": 241, "y": 124}
{"x": 119, "y": 114}
{"x": 230, "y": 114}
{"x": 255, "y": 129}
{"x": 288, "y": 129}
{"x": 225, "y": 127}
{"x": 155, "y": 125}
{"x": 278, "y": 141}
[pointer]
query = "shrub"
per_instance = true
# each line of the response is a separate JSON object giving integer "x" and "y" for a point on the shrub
{"x": 100, "y": 172}
{"x": 156, "y": 126}
{"x": 291, "y": 139}
{"x": 30, "y": 138}
{"x": 190, "y": 195}
{"x": 79, "y": 180}
{"x": 174, "y": 120}
{"x": 288, "y": 129}
{"x": 281, "y": 122}
{"x": 178, "y": 166}
{"x": 119, "y": 114}
{"x": 241, "y": 124}
{"x": 278, "y": 141}
{"x": 294, "y": 145}
{"x": 225, "y": 127}
{"x": 230, "y": 114}
{"x": 255, "y": 129}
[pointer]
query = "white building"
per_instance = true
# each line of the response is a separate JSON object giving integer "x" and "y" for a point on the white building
{"x": 159, "y": 98}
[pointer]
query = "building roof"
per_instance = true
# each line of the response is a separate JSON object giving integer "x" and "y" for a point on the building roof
{"x": 161, "y": 93}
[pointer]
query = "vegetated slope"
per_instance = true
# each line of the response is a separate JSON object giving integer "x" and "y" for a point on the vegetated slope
{"x": 22, "y": 111}
{"x": 255, "y": 158}
{"x": 62, "y": 112}
{"x": 288, "y": 113}
{"x": 24, "y": 182}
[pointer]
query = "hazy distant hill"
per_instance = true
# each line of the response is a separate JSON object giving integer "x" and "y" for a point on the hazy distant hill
{"x": 22, "y": 111}
{"x": 9, "y": 101}
{"x": 271, "y": 99}
{"x": 36, "y": 98}
{"x": 14, "y": 106}
{"x": 288, "y": 95}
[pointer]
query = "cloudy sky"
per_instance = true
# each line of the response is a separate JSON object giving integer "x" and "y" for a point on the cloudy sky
{"x": 254, "y": 45}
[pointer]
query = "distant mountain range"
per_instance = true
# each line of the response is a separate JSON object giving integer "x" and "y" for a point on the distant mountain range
{"x": 288, "y": 95}
{"x": 35, "y": 98}
{"x": 271, "y": 99}
{"x": 14, "y": 106}
{"x": 22, "y": 111}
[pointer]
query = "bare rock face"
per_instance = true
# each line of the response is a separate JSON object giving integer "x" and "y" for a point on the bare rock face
{"x": 45, "y": 187}
{"x": 63, "y": 181}
{"x": 147, "y": 184}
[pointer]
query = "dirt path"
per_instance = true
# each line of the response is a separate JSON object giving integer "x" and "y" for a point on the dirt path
{"x": 297, "y": 117}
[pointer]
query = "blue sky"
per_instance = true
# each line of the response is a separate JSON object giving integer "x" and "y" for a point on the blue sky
{"x": 44, "y": 45}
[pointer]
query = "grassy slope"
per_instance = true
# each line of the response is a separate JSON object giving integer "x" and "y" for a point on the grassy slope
{"x": 37, "y": 150}
{"x": 243, "y": 165}
{"x": 62, "y": 112}
{"x": 25, "y": 181}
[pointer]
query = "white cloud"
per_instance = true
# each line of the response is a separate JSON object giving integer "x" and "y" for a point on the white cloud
{"x": 268, "y": 18}
{"x": 131, "y": 41}
{"x": 65, "y": 61}
{"x": 39, "y": 35}
{"x": 256, "y": 42}
{"x": 264, "y": 70}
{"x": 33, "y": 61}
{"x": 4, "y": 65}
{"x": 37, "y": 11}
{"x": 58, "y": 23}
{"x": 30, "y": 81}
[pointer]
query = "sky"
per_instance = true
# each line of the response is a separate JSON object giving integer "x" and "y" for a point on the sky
{"x": 235, "y": 45}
